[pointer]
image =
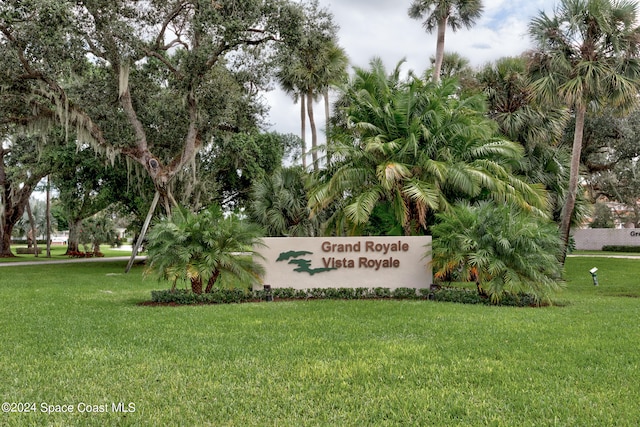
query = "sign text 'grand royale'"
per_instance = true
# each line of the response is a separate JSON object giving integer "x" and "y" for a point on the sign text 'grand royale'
{"x": 371, "y": 249}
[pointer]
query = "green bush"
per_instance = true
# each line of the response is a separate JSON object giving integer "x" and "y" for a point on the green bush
{"x": 460, "y": 295}
{"x": 381, "y": 293}
{"x": 620, "y": 248}
{"x": 442, "y": 294}
{"x": 602, "y": 216}
{"x": 287, "y": 293}
{"x": 404, "y": 293}
{"x": 500, "y": 247}
{"x": 217, "y": 296}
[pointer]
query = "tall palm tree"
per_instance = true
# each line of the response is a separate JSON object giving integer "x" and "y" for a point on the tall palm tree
{"x": 416, "y": 146}
{"x": 335, "y": 73}
{"x": 309, "y": 68}
{"x": 438, "y": 14}
{"x": 587, "y": 57}
{"x": 290, "y": 81}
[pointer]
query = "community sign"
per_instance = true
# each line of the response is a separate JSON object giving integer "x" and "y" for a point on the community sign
{"x": 347, "y": 262}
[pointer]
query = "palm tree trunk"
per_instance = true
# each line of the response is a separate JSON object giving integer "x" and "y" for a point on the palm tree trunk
{"x": 327, "y": 114}
{"x": 314, "y": 132}
{"x": 437, "y": 66}
{"x": 196, "y": 285}
{"x": 574, "y": 174}
{"x": 212, "y": 281}
{"x": 303, "y": 130}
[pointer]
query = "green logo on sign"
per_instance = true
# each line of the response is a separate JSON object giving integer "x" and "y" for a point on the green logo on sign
{"x": 303, "y": 265}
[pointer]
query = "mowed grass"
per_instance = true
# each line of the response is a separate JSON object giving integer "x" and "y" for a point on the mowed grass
{"x": 58, "y": 253}
{"x": 74, "y": 335}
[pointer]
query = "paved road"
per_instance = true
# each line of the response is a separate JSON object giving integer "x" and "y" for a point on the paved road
{"x": 69, "y": 261}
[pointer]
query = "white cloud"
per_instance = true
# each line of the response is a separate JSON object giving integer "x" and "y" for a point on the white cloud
{"x": 382, "y": 28}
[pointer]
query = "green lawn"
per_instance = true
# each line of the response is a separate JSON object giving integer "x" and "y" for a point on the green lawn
{"x": 58, "y": 253}
{"x": 73, "y": 335}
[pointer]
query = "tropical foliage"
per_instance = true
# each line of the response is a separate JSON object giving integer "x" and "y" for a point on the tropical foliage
{"x": 97, "y": 230}
{"x": 538, "y": 127}
{"x": 500, "y": 247}
{"x": 200, "y": 248}
{"x": 416, "y": 146}
{"x": 586, "y": 56}
{"x": 280, "y": 204}
{"x": 309, "y": 67}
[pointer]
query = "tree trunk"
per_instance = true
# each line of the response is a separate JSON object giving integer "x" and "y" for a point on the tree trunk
{"x": 303, "y": 130}
{"x": 34, "y": 231}
{"x": 73, "y": 244}
{"x": 437, "y": 66}
{"x": 143, "y": 232}
{"x": 327, "y": 114}
{"x": 212, "y": 281}
{"x": 196, "y": 285}
{"x": 48, "y": 214}
{"x": 5, "y": 242}
{"x": 13, "y": 205}
{"x": 5, "y": 239}
{"x": 314, "y": 133}
{"x": 574, "y": 175}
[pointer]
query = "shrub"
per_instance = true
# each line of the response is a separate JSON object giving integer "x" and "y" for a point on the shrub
{"x": 216, "y": 296}
{"x": 621, "y": 248}
{"x": 404, "y": 293}
{"x": 381, "y": 293}
{"x": 442, "y": 294}
{"x": 203, "y": 249}
{"x": 501, "y": 248}
{"x": 602, "y": 216}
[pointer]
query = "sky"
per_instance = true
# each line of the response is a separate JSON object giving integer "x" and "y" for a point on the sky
{"x": 382, "y": 28}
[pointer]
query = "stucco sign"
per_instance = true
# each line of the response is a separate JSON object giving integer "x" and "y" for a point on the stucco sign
{"x": 335, "y": 262}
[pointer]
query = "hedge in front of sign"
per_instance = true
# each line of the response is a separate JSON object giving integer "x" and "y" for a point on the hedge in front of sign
{"x": 443, "y": 294}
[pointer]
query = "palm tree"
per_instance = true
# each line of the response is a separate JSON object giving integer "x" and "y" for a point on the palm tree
{"x": 437, "y": 14}
{"x": 97, "y": 230}
{"x": 279, "y": 204}
{"x": 309, "y": 68}
{"x": 416, "y": 146}
{"x": 290, "y": 80}
{"x": 199, "y": 248}
{"x": 335, "y": 73}
{"x": 457, "y": 66}
{"x": 587, "y": 57}
{"x": 538, "y": 127}
{"x": 500, "y": 247}
{"x": 453, "y": 65}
